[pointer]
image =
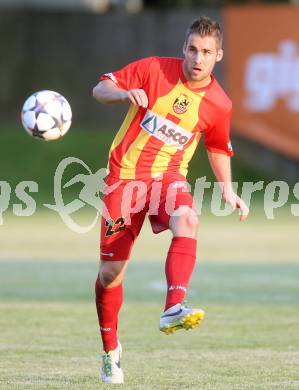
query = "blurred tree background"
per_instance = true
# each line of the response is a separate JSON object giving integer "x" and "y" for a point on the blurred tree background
{"x": 215, "y": 3}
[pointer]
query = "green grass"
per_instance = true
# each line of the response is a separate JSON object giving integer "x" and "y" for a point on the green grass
{"x": 249, "y": 339}
{"x": 246, "y": 281}
{"x": 25, "y": 158}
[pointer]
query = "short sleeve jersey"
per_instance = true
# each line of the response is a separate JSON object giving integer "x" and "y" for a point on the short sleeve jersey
{"x": 163, "y": 137}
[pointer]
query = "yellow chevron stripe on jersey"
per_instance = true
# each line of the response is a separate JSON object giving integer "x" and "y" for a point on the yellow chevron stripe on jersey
{"x": 129, "y": 160}
{"x": 188, "y": 153}
{"x": 162, "y": 160}
{"x": 188, "y": 120}
{"x": 164, "y": 105}
{"x": 124, "y": 127}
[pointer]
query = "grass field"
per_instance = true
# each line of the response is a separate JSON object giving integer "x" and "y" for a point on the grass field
{"x": 246, "y": 281}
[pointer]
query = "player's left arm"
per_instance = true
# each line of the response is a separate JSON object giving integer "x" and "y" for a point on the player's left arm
{"x": 218, "y": 145}
{"x": 221, "y": 166}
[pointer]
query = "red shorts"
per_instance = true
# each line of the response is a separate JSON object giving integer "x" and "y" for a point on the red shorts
{"x": 126, "y": 203}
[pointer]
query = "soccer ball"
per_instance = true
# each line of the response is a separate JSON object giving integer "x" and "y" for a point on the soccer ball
{"x": 46, "y": 115}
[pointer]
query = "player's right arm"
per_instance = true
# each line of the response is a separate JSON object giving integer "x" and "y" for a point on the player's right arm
{"x": 126, "y": 85}
{"x": 107, "y": 92}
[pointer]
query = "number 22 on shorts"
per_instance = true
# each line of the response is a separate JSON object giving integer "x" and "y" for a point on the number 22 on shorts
{"x": 115, "y": 226}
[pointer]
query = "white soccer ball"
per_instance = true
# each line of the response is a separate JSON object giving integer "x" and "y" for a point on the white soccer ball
{"x": 46, "y": 115}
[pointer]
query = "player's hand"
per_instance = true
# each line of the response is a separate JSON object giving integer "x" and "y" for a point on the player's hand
{"x": 138, "y": 97}
{"x": 236, "y": 203}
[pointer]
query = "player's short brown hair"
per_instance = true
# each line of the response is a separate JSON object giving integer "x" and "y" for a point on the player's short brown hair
{"x": 205, "y": 26}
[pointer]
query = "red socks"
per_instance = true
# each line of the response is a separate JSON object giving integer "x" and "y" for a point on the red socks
{"x": 178, "y": 269}
{"x": 108, "y": 302}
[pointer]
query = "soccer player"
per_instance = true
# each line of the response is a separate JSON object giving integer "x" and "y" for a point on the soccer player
{"x": 173, "y": 102}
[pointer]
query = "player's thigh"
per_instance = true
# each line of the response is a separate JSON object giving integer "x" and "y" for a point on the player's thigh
{"x": 117, "y": 240}
{"x": 118, "y": 232}
{"x": 118, "y": 237}
{"x": 176, "y": 212}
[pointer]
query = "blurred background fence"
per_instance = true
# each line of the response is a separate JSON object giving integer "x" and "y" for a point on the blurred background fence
{"x": 67, "y": 51}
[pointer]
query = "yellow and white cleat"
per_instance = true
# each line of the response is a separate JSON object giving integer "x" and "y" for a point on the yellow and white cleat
{"x": 180, "y": 316}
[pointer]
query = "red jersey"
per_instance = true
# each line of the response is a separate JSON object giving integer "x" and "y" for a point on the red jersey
{"x": 163, "y": 137}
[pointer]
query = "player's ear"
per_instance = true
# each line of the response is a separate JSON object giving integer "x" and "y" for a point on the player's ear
{"x": 219, "y": 55}
{"x": 184, "y": 47}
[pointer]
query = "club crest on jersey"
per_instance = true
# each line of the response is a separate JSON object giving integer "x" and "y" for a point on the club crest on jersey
{"x": 181, "y": 104}
{"x": 165, "y": 130}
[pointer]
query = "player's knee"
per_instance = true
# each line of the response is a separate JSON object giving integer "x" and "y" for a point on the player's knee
{"x": 112, "y": 272}
{"x": 108, "y": 275}
{"x": 192, "y": 221}
{"x": 186, "y": 224}
{"x": 189, "y": 224}
{"x": 189, "y": 218}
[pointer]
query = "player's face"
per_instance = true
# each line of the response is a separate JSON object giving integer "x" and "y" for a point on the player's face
{"x": 201, "y": 54}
